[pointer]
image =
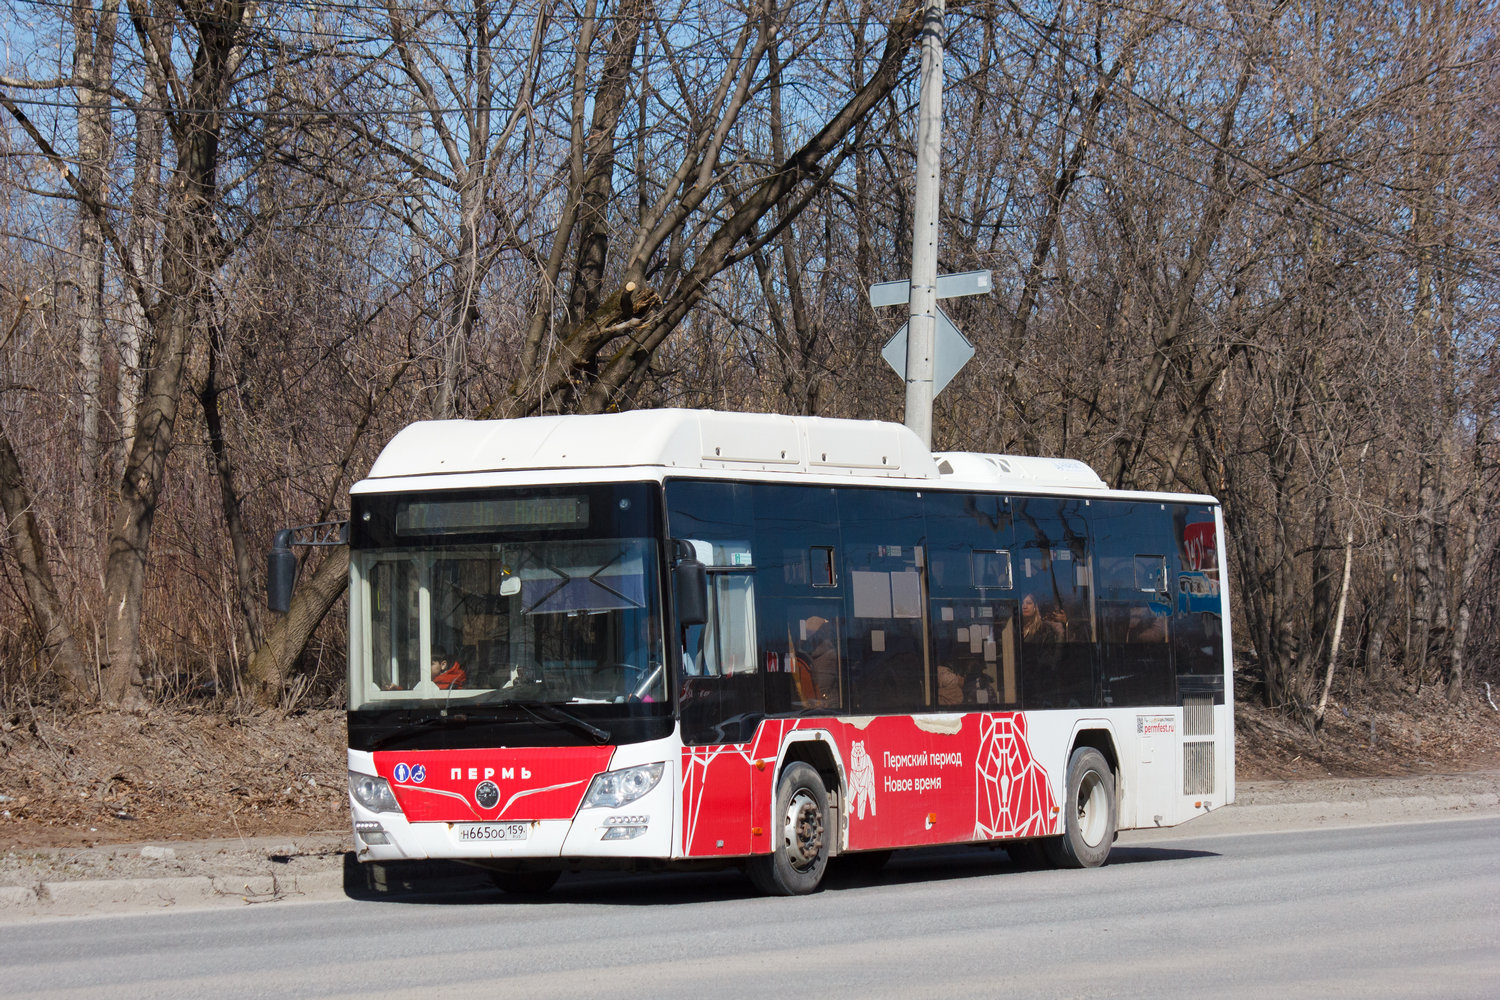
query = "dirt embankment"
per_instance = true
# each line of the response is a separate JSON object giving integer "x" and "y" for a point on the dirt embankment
{"x": 169, "y": 774}
{"x": 99, "y": 778}
{"x": 1369, "y": 737}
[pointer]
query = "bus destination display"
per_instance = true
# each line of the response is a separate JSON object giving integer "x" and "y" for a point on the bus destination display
{"x": 457, "y": 517}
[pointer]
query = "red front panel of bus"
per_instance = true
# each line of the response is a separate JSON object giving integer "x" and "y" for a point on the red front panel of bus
{"x": 461, "y": 786}
{"x": 910, "y": 782}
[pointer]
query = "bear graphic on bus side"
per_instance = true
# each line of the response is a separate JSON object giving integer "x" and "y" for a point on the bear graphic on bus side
{"x": 861, "y": 779}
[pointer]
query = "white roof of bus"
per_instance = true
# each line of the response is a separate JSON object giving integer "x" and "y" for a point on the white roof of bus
{"x": 709, "y": 440}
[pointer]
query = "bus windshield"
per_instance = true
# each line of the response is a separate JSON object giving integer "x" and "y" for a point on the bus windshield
{"x": 559, "y": 621}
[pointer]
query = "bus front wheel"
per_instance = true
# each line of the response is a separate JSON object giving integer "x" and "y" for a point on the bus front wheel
{"x": 1089, "y": 817}
{"x": 799, "y": 831}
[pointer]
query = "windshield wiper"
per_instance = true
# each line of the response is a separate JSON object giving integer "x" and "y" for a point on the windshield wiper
{"x": 540, "y": 711}
{"x": 544, "y": 711}
{"x": 443, "y": 721}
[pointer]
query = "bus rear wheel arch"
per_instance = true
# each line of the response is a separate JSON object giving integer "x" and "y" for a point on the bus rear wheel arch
{"x": 1090, "y": 813}
{"x": 802, "y": 833}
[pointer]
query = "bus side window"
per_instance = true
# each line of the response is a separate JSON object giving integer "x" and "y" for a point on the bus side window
{"x": 975, "y": 647}
{"x": 799, "y": 585}
{"x": 1134, "y": 605}
{"x": 1057, "y": 626}
{"x": 1197, "y": 628}
{"x": 815, "y": 663}
{"x": 884, "y": 565}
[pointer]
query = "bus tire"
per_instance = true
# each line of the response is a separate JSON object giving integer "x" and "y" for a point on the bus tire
{"x": 800, "y": 832}
{"x": 1089, "y": 817}
{"x": 530, "y": 882}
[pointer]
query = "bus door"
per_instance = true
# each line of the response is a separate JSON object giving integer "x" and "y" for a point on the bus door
{"x": 721, "y": 699}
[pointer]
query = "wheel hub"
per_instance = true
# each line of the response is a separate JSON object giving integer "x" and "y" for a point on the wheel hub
{"x": 803, "y": 831}
{"x": 1092, "y": 809}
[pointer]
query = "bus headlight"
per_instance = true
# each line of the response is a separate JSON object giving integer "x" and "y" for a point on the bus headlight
{"x": 371, "y": 832}
{"x": 625, "y": 827}
{"x": 613, "y": 789}
{"x": 373, "y": 793}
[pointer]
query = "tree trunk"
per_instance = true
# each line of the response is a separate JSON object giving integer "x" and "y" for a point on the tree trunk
{"x": 190, "y": 257}
{"x": 1476, "y": 550}
{"x": 1283, "y": 669}
{"x": 1423, "y": 564}
{"x": 229, "y": 501}
{"x": 1338, "y": 629}
{"x": 1142, "y": 405}
{"x": 60, "y": 650}
{"x": 289, "y": 635}
{"x": 93, "y": 66}
{"x": 130, "y": 540}
{"x": 1463, "y": 613}
{"x": 597, "y": 187}
{"x": 1376, "y": 665}
{"x": 140, "y": 246}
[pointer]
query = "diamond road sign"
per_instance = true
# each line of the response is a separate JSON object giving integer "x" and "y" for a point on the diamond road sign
{"x": 951, "y": 350}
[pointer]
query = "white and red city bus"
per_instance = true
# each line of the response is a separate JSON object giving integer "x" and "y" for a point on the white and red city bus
{"x": 680, "y": 637}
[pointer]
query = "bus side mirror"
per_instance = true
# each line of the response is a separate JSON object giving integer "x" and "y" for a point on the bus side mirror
{"x": 281, "y": 573}
{"x": 690, "y": 592}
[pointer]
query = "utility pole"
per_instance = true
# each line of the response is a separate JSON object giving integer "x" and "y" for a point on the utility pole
{"x": 928, "y": 350}
{"x": 922, "y": 317}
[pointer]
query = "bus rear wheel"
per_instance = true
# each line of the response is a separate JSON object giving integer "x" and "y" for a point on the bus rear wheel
{"x": 800, "y": 832}
{"x": 1089, "y": 817}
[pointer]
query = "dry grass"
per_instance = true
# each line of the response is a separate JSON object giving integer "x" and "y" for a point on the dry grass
{"x": 170, "y": 773}
{"x": 1369, "y": 736}
{"x": 191, "y": 774}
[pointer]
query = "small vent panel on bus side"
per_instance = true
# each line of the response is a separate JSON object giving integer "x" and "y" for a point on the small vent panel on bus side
{"x": 1198, "y": 715}
{"x": 1197, "y": 755}
{"x": 1197, "y": 769}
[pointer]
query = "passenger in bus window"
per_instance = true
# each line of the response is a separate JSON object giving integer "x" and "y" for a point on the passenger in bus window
{"x": 980, "y": 689}
{"x": 822, "y": 657}
{"x": 1035, "y": 627}
{"x": 976, "y": 687}
{"x": 950, "y": 685}
{"x": 445, "y": 674}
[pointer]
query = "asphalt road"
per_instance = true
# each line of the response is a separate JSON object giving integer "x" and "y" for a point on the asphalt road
{"x": 1399, "y": 911}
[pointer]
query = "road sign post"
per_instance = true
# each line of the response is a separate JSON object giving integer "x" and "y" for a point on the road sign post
{"x": 922, "y": 295}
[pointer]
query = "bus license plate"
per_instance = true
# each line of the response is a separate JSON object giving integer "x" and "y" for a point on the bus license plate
{"x": 476, "y": 832}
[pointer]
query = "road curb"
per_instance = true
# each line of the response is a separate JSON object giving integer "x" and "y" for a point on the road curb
{"x": 1394, "y": 809}
{"x": 320, "y": 868}
{"x": 1259, "y": 817}
{"x": 111, "y": 895}
{"x": 16, "y": 895}
{"x": 103, "y": 896}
